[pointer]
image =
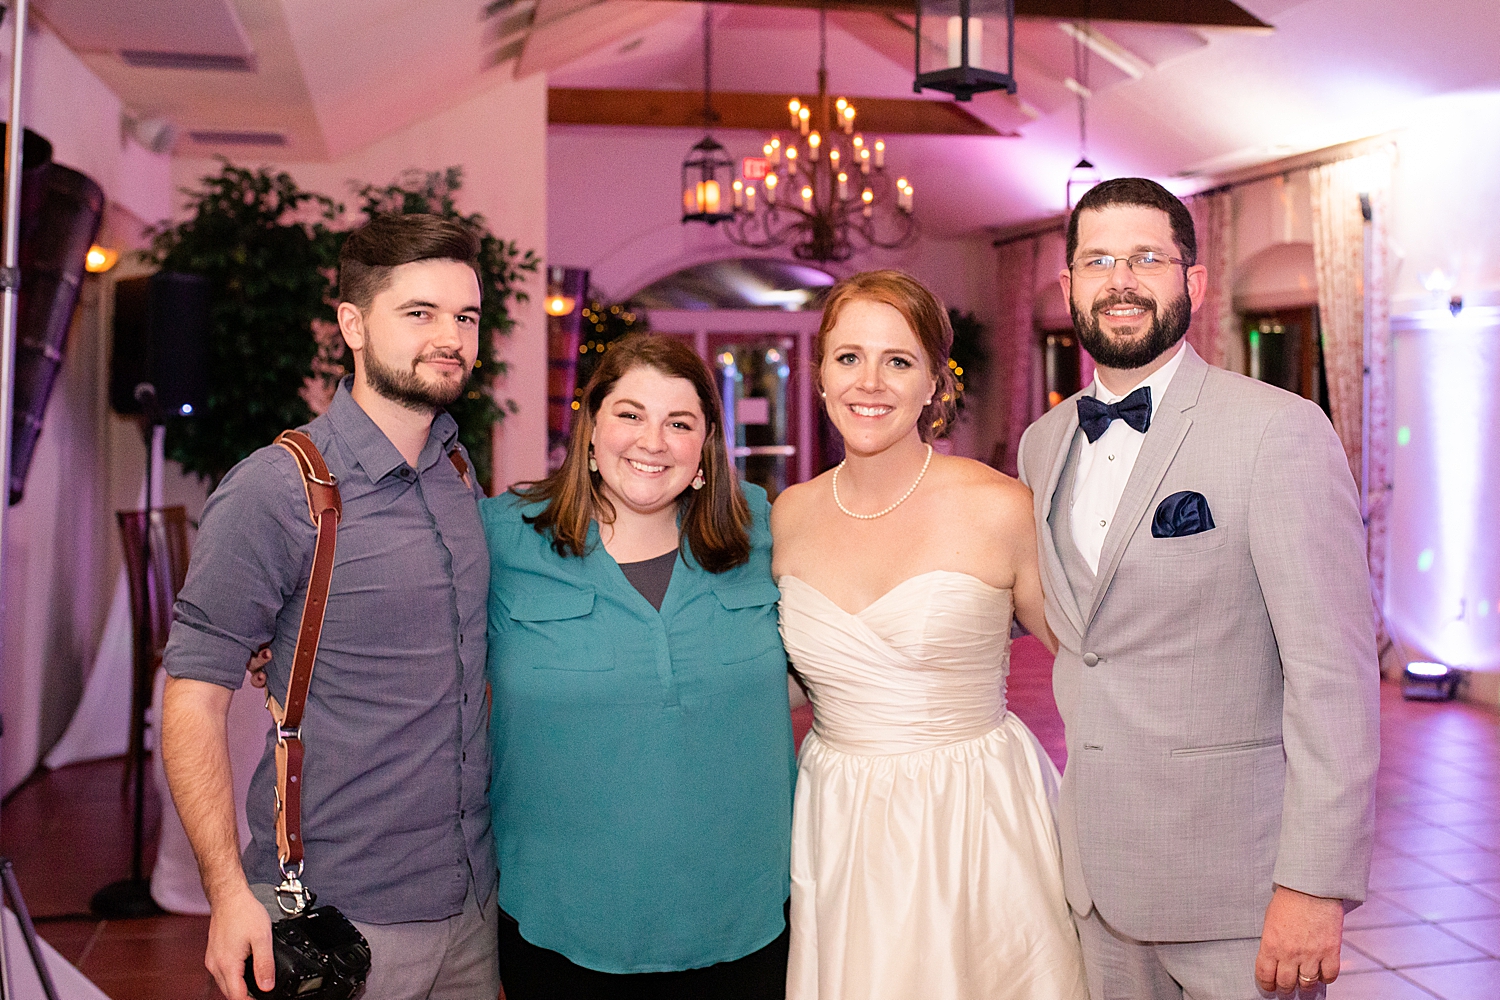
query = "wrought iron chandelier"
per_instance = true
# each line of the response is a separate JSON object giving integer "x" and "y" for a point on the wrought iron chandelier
{"x": 823, "y": 189}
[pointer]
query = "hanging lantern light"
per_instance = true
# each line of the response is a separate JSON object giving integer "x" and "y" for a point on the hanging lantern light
{"x": 1081, "y": 178}
{"x": 708, "y": 176}
{"x": 979, "y": 40}
{"x": 1084, "y": 174}
{"x": 707, "y": 183}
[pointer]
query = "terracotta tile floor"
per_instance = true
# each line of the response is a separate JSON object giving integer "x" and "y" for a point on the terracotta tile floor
{"x": 1431, "y": 927}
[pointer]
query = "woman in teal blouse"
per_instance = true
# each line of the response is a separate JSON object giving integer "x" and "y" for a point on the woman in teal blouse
{"x": 643, "y": 759}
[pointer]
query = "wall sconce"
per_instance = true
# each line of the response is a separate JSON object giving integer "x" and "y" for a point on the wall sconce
{"x": 558, "y": 302}
{"x": 100, "y": 259}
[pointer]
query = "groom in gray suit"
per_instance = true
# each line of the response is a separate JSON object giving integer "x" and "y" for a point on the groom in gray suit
{"x": 1203, "y": 557}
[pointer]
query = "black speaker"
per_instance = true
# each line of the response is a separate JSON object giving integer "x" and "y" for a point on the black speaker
{"x": 161, "y": 341}
{"x": 60, "y": 214}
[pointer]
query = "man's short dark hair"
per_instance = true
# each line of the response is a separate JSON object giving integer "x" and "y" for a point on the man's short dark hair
{"x": 386, "y": 242}
{"x": 1146, "y": 194}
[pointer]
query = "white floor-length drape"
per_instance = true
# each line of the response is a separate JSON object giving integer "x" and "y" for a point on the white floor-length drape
{"x": 1339, "y": 252}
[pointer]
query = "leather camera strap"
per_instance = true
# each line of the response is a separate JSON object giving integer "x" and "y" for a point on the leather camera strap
{"x": 325, "y": 507}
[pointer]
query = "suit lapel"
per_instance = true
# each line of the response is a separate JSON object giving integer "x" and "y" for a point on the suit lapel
{"x": 1169, "y": 426}
{"x": 1056, "y": 580}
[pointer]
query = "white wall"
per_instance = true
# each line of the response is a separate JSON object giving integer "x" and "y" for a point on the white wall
{"x": 61, "y": 547}
{"x": 498, "y": 137}
{"x": 1446, "y": 202}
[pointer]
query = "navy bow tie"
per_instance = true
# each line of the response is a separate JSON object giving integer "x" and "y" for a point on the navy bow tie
{"x": 1095, "y": 417}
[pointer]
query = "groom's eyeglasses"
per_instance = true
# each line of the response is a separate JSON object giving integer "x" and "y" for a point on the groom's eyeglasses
{"x": 1143, "y": 264}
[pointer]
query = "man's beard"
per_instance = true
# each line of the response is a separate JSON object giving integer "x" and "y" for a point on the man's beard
{"x": 408, "y": 388}
{"x": 1168, "y": 326}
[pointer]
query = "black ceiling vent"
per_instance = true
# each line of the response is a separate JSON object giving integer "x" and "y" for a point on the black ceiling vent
{"x": 229, "y": 137}
{"x": 145, "y": 59}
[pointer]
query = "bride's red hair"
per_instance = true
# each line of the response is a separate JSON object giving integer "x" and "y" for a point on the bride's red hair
{"x": 926, "y": 318}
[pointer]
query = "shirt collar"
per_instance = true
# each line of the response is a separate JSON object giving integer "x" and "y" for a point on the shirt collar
{"x": 1157, "y": 381}
{"x": 372, "y": 449}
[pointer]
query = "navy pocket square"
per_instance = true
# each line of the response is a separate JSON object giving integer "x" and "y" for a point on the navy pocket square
{"x": 1181, "y": 514}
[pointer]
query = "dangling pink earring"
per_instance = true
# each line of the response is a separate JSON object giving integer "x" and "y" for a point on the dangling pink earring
{"x": 698, "y": 480}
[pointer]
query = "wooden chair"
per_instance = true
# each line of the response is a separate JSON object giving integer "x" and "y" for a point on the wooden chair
{"x": 153, "y": 591}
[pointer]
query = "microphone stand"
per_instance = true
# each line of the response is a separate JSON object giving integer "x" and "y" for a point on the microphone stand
{"x": 130, "y": 898}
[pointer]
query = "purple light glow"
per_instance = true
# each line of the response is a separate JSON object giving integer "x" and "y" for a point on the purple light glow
{"x": 1444, "y": 569}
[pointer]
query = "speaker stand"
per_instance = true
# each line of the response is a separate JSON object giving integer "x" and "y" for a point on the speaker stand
{"x": 130, "y": 898}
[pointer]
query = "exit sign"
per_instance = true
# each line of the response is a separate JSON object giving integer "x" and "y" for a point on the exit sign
{"x": 754, "y": 168}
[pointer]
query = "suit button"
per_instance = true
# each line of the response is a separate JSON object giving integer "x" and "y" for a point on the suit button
{"x": 1090, "y": 659}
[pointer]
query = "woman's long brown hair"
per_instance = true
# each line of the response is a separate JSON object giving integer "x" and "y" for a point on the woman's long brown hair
{"x": 715, "y": 520}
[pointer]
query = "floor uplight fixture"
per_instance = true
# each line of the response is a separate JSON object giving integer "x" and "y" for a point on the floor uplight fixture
{"x": 1424, "y": 680}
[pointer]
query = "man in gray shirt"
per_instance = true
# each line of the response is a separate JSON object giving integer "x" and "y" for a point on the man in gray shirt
{"x": 394, "y": 812}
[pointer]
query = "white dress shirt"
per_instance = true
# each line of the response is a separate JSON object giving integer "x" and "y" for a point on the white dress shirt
{"x": 1104, "y": 466}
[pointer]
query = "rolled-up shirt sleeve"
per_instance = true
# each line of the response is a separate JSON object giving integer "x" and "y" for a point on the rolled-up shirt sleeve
{"x": 251, "y": 557}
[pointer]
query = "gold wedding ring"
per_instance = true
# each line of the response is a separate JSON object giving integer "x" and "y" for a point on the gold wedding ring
{"x": 1307, "y": 979}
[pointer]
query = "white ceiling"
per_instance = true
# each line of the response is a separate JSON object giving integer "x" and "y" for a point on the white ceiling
{"x": 334, "y": 75}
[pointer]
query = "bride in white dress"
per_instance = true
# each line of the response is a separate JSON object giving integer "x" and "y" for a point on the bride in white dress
{"x": 925, "y": 863}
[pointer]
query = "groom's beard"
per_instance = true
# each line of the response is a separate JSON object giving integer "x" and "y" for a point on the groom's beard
{"x": 1168, "y": 325}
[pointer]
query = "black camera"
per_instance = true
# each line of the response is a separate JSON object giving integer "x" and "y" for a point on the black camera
{"x": 320, "y": 955}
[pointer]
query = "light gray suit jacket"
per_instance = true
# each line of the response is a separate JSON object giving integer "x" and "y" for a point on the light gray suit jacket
{"x": 1221, "y": 690}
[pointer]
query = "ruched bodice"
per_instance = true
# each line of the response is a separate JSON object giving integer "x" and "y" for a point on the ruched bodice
{"x": 924, "y": 849}
{"x": 922, "y": 667}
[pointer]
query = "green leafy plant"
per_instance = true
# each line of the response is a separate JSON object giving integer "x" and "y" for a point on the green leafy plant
{"x": 267, "y": 248}
{"x": 967, "y": 356}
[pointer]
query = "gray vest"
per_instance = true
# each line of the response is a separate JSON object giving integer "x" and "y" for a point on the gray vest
{"x": 1060, "y": 523}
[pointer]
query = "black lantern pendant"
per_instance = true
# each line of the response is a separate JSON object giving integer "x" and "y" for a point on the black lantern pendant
{"x": 969, "y": 31}
{"x": 708, "y": 172}
{"x": 1081, "y": 179}
{"x": 707, "y": 180}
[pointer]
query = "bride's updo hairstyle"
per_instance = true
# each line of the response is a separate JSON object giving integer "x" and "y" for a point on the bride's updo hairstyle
{"x": 715, "y": 521}
{"x": 926, "y": 318}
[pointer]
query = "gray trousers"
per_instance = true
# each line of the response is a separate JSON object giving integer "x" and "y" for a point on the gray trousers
{"x": 453, "y": 959}
{"x": 1122, "y": 968}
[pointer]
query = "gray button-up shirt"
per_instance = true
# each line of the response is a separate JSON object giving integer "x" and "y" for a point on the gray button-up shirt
{"x": 395, "y": 819}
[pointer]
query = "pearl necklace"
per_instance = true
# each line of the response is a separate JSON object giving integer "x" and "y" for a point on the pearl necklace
{"x": 883, "y": 513}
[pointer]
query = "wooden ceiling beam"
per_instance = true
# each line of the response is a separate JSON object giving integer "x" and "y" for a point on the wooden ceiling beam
{"x": 1188, "y": 13}
{"x": 759, "y": 112}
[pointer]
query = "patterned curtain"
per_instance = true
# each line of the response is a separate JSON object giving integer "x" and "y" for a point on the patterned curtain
{"x": 1008, "y": 403}
{"x": 1215, "y": 330}
{"x": 1339, "y": 255}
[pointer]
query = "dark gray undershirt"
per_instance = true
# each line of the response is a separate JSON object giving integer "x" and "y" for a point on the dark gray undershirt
{"x": 651, "y": 576}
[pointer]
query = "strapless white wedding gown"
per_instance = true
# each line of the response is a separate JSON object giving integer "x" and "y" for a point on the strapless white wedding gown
{"x": 925, "y": 863}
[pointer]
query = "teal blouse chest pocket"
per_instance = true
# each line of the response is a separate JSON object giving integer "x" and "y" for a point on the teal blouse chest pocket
{"x": 554, "y": 628}
{"x": 746, "y": 625}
